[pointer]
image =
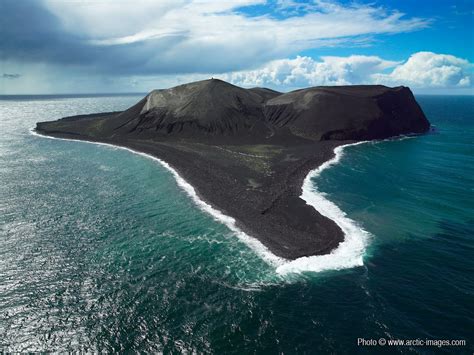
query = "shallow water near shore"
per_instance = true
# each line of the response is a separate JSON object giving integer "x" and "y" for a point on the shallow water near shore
{"x": 102, "y": 250}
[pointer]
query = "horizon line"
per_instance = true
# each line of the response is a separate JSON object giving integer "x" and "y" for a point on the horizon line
{"x": 145, "y": 93}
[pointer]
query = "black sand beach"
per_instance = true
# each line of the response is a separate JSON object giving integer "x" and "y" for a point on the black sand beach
{"x": 247, "y": 151}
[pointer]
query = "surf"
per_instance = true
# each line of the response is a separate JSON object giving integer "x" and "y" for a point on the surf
{"x": 348, "y": 254}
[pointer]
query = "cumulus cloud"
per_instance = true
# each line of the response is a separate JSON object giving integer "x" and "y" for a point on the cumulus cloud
{"x": 421, "y": 70}
{"x": 428, "y": 69}
{"x": 304, "y": 71}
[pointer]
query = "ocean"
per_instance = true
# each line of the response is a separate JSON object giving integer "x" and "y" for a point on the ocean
{"x": 102, "y": 249}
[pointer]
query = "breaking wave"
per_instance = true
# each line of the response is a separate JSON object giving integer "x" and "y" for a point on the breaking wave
{"x": 350, "y": 252}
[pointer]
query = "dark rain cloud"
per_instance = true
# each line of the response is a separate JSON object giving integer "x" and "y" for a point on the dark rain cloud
{"x": 11, "y": 76}
{"x": 30, "y": 33}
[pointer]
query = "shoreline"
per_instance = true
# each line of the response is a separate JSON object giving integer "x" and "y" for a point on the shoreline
{"x": 349, "y": 252}
{"x": 258, "y": 247}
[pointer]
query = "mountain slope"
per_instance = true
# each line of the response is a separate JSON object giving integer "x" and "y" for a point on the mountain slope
{"x": 209, "y": 106}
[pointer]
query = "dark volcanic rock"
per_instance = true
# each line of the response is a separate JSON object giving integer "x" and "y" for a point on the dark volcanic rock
{"x": 212, "y": 107}
{"x": 347, "y": 112}
{"x": 247, "y": 151}
{"x": 265, "y": 93}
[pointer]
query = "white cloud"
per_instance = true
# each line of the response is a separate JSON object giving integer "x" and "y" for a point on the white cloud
{"x": 204, "y": 35}
{"x": 305, "y": 71}
{"x": 428, "y": 69}
{"x": 436, "y": 71}
{"x": 421, "y": 70}
{"x": 109, "y": 18}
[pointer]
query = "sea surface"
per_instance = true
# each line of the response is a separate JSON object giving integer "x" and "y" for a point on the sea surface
{"x": 102, "y": 250}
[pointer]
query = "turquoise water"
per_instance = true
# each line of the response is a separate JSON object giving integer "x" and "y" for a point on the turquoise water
{"x": 100, "y": 250}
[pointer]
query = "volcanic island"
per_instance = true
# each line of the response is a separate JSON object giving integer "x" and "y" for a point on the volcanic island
{"x": 247, "y": 151}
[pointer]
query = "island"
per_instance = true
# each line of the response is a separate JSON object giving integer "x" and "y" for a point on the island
{"x": 247, "y": 151}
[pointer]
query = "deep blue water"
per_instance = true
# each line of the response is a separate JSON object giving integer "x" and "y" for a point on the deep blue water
{"x": 101, "y": 250}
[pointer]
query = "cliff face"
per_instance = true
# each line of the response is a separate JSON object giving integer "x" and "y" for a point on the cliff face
{"x": 347, "y": 113}
{"x": 212, "y": 109}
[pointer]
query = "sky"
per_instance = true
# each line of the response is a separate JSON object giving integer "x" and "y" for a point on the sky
{"x": 119, "y": 46}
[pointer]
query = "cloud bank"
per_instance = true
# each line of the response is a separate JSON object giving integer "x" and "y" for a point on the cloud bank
{"x": 421, "y": 70}
{"x": 427, "y": 69}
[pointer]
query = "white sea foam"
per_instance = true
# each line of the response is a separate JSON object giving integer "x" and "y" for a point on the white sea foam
{"x": 348, "y": 254}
